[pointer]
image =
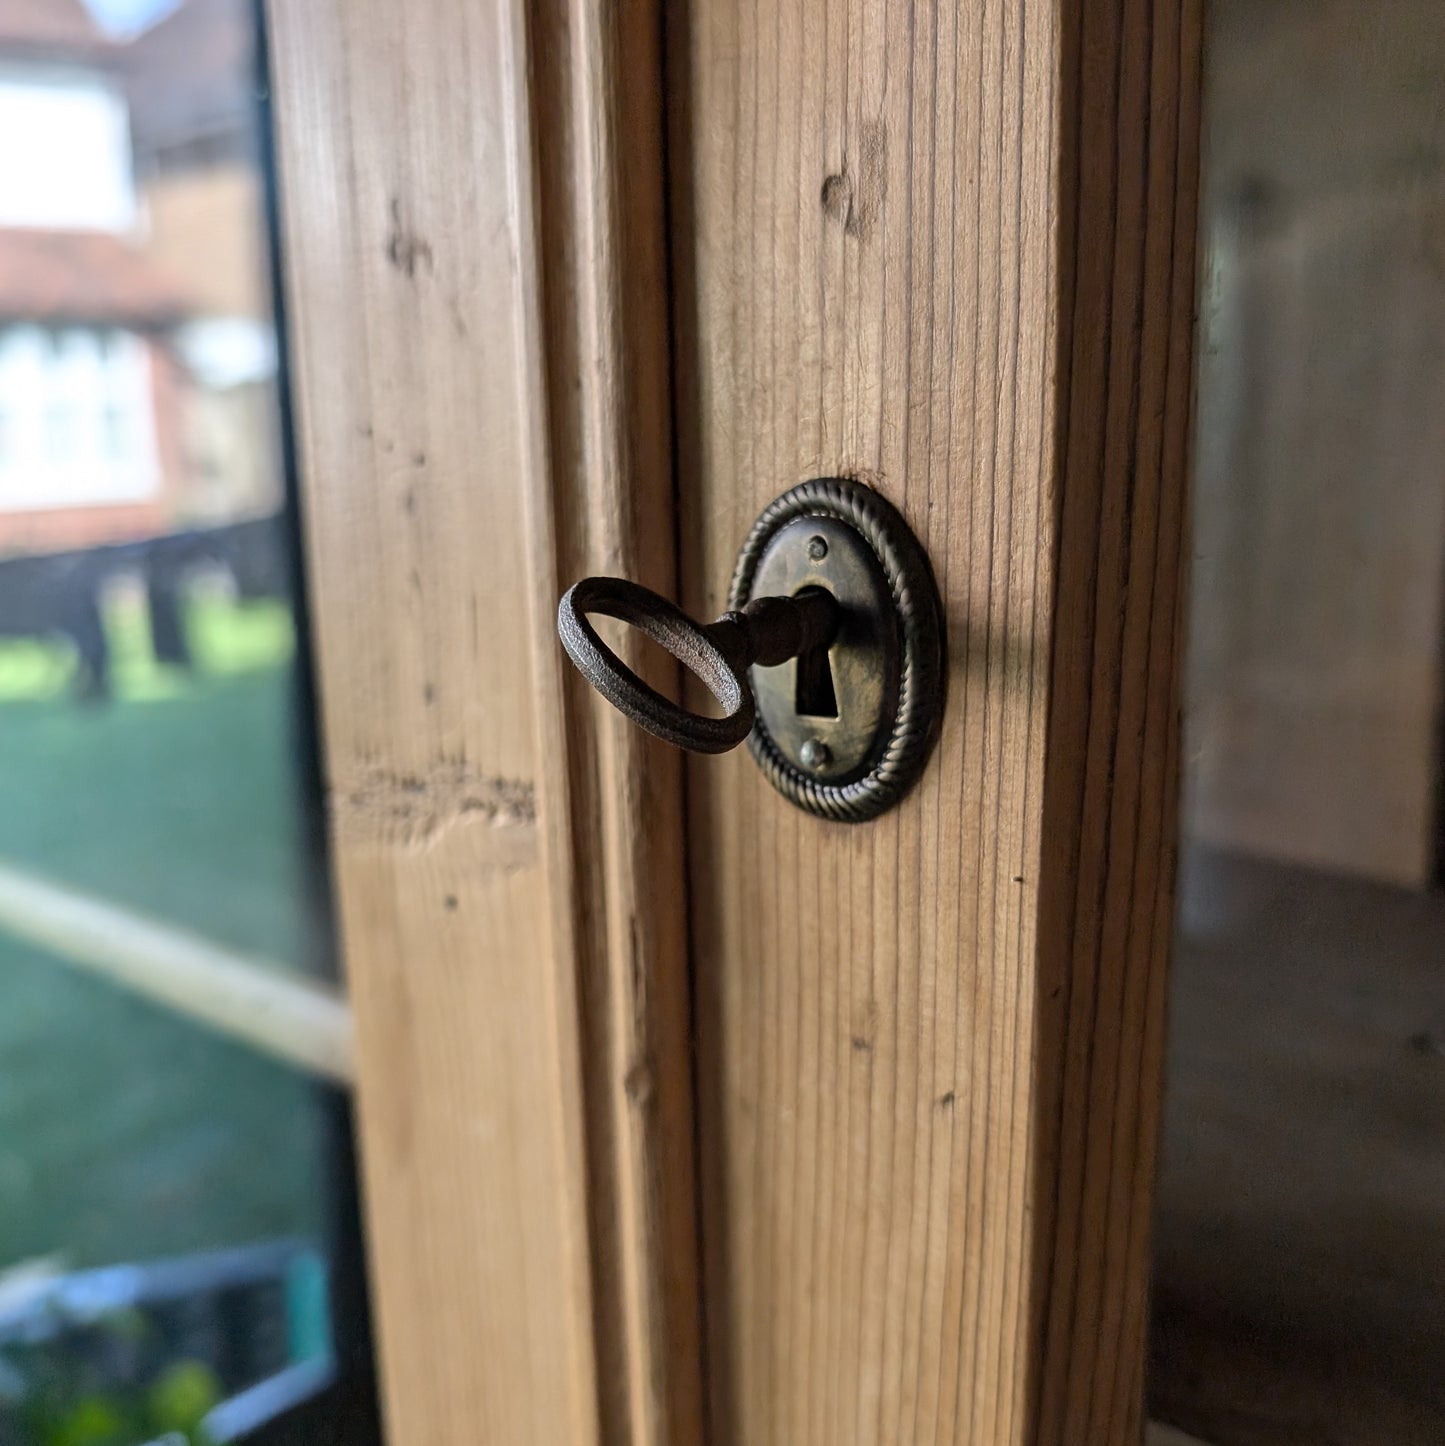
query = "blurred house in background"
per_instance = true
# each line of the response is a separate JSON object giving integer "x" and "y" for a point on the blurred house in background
{"x": 166, "y": 1194}
{"x": 90, "y": 423}
{"x": 137, "y": 351}
{"x": 189, "y": 79}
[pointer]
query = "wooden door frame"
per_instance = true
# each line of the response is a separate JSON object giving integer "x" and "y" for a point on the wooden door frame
{"x": 508, "y": 856}
{"x": 477, "y": 218}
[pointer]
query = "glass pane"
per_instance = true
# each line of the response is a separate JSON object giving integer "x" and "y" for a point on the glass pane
{"x": 179, "y": 1256}
{"x": 1300, "y": 1290}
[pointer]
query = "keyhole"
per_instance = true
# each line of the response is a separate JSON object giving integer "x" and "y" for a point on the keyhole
{"x": 814, "y": 695}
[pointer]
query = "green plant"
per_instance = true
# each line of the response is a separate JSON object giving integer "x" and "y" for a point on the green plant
{"x": 68, "y": 1401}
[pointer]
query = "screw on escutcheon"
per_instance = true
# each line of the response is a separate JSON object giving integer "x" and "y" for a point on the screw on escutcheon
{"x": 814, "y": 754}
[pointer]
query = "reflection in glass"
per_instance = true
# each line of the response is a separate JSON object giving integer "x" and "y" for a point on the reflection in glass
{"x": 1300, "y": 1267}
{"x": 176, "y": 1221}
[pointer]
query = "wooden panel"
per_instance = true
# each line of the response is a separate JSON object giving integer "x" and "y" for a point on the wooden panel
{"x": 1314, "y": 684}
{"x": 947, "y": 249}
{"x": 509, "y": 870}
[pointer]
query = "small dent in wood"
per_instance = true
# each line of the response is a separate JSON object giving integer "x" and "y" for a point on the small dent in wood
{"x": 868, "y": 476}
{"x": 865, "y": 1026}
{"x": 639, "y": 1083}
{"x": 837, "y": 198}
{"x": 853, "y": 196}
{"x": 406, "y": 249}
{"x": 418, "y": 808}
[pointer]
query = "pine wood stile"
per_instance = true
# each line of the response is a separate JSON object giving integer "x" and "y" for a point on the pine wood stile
{"x": 473, "y": 255}
{"x": 948, "y": 249}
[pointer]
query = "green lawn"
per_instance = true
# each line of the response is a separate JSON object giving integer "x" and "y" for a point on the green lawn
{"x": 124, "y": 1131}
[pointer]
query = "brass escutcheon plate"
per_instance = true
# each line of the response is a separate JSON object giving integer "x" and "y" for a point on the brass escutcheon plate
{"x": 845, "y": 737}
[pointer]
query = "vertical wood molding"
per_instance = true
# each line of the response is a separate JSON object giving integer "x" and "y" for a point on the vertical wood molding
{"x": 947, "y": 249}
{"x": 1131, "y": 94}
{"x": 599, "y": 119}
{"x": 471, "y": 201}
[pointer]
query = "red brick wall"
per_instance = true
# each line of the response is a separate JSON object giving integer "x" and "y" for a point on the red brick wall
{"x": 67, "y": 528}
{"x": 168, "y": 382}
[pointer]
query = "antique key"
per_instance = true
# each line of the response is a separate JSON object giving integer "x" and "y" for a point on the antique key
{"x": 829, "y": 659}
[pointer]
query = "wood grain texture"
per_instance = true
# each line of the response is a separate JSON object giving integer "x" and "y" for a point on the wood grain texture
{"x": 472, "y": 227}
{"x": 948, "y": 249}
